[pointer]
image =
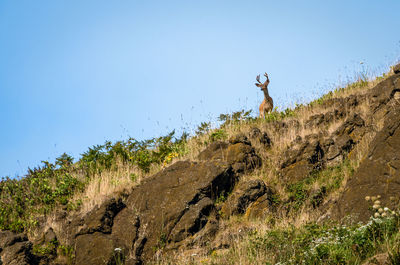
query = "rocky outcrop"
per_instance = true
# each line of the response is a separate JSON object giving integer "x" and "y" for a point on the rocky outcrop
{"x": 173, "y": 208}
{"x": 379, "y": 171}
{"x": 15, "y": 249}
{"x": 244, "y": 194}
{"x": 317, "y": 151}
{"x": 178, "y": 202}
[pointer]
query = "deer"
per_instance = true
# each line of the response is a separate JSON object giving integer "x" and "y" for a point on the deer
{"x": 268, "y": 104}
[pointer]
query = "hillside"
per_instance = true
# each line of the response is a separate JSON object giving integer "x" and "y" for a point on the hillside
{"x": 298, "y": 187}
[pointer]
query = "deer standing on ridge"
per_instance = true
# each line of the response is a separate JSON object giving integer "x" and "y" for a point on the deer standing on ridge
{"x": 268, "y": 104}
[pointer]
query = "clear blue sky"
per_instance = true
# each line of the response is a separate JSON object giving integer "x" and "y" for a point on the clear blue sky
{"x": 75, "y": 73}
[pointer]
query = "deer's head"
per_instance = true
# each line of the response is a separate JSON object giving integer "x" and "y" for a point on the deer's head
{"x": 263, "y": 86}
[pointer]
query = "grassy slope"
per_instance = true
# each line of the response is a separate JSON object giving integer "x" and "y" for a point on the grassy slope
{"x": 298, "y": 237}
{"x": 114, "y": 167}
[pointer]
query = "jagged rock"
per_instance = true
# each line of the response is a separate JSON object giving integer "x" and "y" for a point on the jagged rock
{"x": 344, "y": 139}
{"x": 310, "y": 150}
{"x": 175, "y": 206}
{"x": 260, "y": 137}
{"x": 261, "y": 207}
{"x": 300, "y": 161}
{"x": 331, "y": 116}
{"x": 193, "y": 220}
{"x": 101, "y": 218}
{"x": 382, "y": 94}
{"x": 316, "y": 151}
{"x": 324, "y": 119}
{"x": 95, "y": 232}
{"x": 244, "y": 194}
{"x": 379, "y": 172}
{"x": 49, "y": 242}
{"x": 396, "y": 69}
{"x": 207, "y": 234}
{"x": 93, "y": 249}
{"x": 125, "y": 231}
{"x": 239, "y": 138}
{"x": 180, "y": 193}
{"x": 49, "y": 236}
{"x": 8, "y": 238}
{"x": 215, "y": 151}
{"x": 241, "y": 156}
{"x": 18, "y": 254}
{"x": 297, "y": 171}
{"x": 15, "y": 249}
{"x": 315, "y": 120}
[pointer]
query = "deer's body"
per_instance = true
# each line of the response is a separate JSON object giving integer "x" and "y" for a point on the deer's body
{"x": 268, "y": 104}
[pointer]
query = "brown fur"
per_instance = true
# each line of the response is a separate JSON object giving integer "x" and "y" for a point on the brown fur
{"x": 268, "y": 104}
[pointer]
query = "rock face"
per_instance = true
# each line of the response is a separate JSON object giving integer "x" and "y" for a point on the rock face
{"x": 173, "y": 208}
{"x": 379, "y": 171}
{"x": 317, "y": 151}
{"x": 244, "y": 194}
{"x": 15, "y": 249}
{"x": 177, "y": 202}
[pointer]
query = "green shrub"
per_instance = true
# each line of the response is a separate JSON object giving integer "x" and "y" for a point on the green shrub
{"x": 37, "y": 193}
{"x": 323, "y": 243}
{"x": 140, "y": 153}
{"x": 235, "y": 118}
{"x": 219, "y": 134}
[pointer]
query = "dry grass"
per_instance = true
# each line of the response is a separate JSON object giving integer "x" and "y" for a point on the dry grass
{"x": 123, "y": 177}
{"x": 282, "y": 139}
{"x": 108, "y": 183}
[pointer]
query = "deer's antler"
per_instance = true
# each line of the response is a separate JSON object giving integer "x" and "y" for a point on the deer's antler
{"x": 258, "y": 80}
{"x": 265, "y": 84}
{"x": 266, "y": 75}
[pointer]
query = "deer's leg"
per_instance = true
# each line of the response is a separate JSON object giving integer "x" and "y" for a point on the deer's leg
{"x": 262, "y": 109}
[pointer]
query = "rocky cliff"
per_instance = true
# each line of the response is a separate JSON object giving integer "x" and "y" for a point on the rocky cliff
{"x": 186, "y": 207}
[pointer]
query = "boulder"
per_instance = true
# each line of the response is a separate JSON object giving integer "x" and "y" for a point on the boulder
{"x": 260, "y": 137}
{"x": 344, "y": 139}
{"x": 101, "y": 218}
{"x": 8, "y": 238}
{"x": 240, "y": 155}
{"x": 15, "y": 249}
{"x": 302, "y": 158}
{"x": 176, "y": 206}
{"x": 261, "y": 207}
{"x": 93, "y": 249}
{"x": 243, "y": 195}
